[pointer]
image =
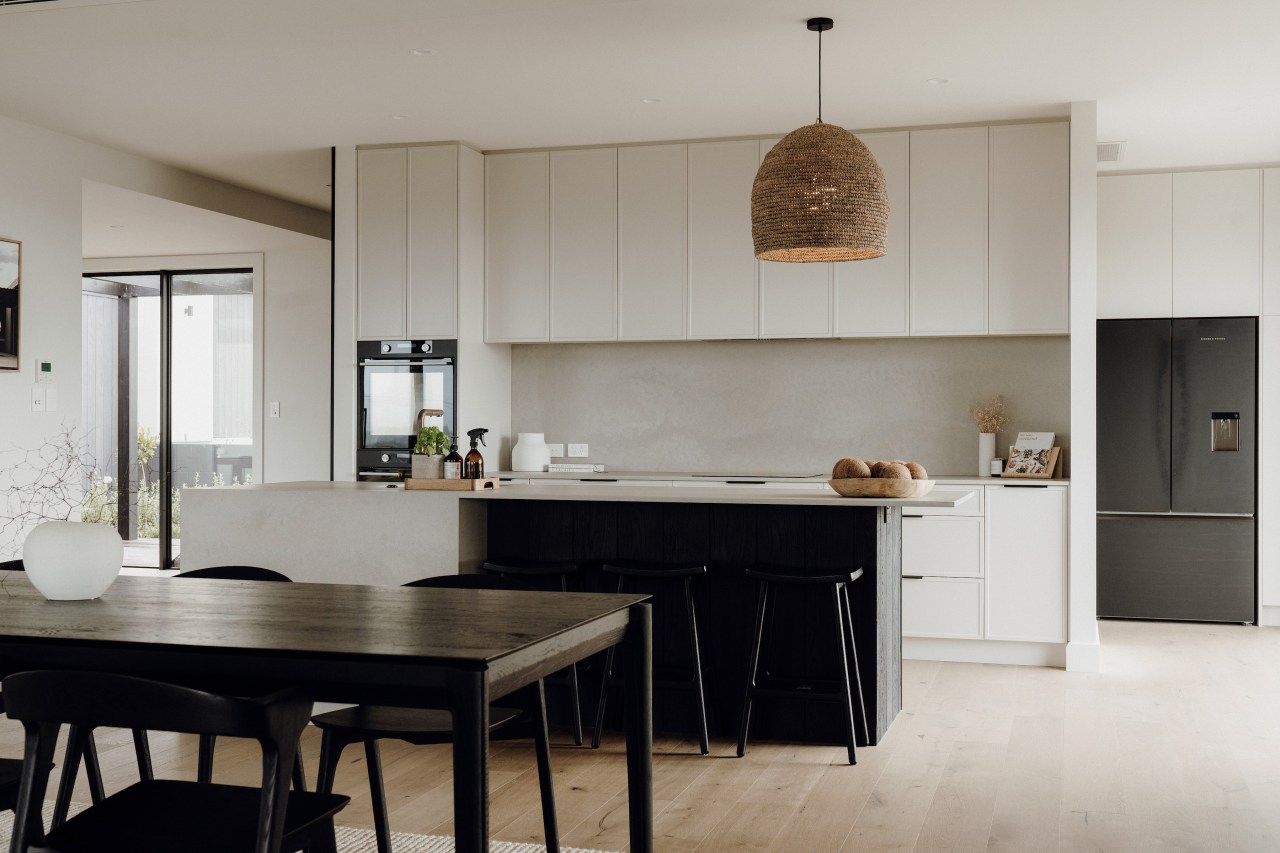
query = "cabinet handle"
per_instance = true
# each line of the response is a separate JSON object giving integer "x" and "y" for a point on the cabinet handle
{"x": 913, "y": 577}
{"x": 1023, "y": 486}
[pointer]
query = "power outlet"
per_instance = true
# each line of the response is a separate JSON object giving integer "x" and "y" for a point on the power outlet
{"x": 274, "y": 409}
{"x": 557, "y": 451}
{"x": 577, "y": 451}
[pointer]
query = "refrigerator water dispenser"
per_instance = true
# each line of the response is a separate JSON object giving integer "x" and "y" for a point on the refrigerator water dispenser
{"x": 1224, "y": 431}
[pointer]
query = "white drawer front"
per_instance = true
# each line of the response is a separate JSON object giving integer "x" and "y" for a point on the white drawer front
{"x": 942, "y": 546}
{"x": 752, "y": 483}
{"x": 942, "y": 607}
{"x": 973, "y": 506}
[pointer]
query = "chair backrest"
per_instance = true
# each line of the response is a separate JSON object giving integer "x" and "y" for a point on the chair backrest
{"x": 12, "y": 566}
{"x": 43, "y": 700}
{"x": 474, "y": 582}
{"x": 237, "y": 573}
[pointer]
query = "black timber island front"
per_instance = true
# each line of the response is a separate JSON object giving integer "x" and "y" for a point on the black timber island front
{"x": 730, "y": 530}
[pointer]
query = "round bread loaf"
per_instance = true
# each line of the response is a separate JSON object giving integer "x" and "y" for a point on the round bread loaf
{"x": 877, "y": 468}
{"x": 917, "y": 471}
{"x": 858, "y": 468}
{"x": 894, "y": 471}
{"x": 841, "y": 469}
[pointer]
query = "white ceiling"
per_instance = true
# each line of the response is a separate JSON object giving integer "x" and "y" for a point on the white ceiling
{"x": 255, "y": 91}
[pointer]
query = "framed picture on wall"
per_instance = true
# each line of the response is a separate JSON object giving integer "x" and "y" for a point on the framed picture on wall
{"x": 10, "y": 280}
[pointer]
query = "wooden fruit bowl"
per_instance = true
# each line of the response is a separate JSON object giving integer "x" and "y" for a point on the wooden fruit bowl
{"x": 874, "y": 487}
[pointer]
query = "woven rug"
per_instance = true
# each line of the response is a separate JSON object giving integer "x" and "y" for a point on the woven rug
{"x": 353, "y": 839}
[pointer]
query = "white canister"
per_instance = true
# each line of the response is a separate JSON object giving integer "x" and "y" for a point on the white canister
{"x": 986, "y": 452}
{"x": 530, "y": 452}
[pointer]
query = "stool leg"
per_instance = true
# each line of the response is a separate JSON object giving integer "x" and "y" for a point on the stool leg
{"x": 752, "y": 667}
{"x": 604, "y": 684}
{"x": 573, "y": 685}
{"x": 378, "y": 794}
{"x": 299, "y": 771}
{"x": 697, "y": 666}
{"x": 837, "y": 599}
{"x": 542, "y": 746}
{"x": 857, "y": 674}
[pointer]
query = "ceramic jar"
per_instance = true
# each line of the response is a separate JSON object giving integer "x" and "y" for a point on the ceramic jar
{"x": 71, "y": 560}
{"x": 530, "y": 452}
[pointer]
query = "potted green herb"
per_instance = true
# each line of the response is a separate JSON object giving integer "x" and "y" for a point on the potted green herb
{"x": 428, "y": 453}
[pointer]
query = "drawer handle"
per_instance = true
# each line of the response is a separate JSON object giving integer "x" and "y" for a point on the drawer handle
{"x": 913, "y": 577}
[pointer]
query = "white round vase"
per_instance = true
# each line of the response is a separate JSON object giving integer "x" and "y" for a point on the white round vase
{"x": 530, "y": 452}
{"x": 71, "y": 560}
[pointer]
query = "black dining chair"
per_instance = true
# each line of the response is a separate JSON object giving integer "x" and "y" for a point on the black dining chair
{"x": 87, "y": 752}
{"x": 165, "y": 815}
{"x": 204, "y": 767}
{"x": 368, "y": 724}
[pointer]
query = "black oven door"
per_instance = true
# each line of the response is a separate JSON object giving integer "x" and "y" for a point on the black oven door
{"x": 393, "y": 391}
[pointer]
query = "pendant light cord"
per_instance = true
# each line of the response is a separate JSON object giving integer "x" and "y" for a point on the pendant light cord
{"x": 819, "y": 76}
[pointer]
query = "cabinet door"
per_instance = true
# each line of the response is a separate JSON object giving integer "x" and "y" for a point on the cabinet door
{"x": 1269, "y": 470}
{"x": 949, "y": 231}
{"x": 722, "y": 261}
{"x": 515, "y": 247}
{"x": 1135, "y": 246}
{"x": 381, "y": 242}
{"x": 584, "y": 245}
{"x": 872, "y": 298}
{"x": 1217, "y": 243}
{"x": 1029, "y": 222}
{"x": 652, "y": 231}
{"x": 433, "y": 242}
{"x": 942, "y": 546}
{"x": 1271, "y": 241}
{"x": 942, "y": 607}
{"x": 795, "y": 299}
{"x": 1026, "y": 561}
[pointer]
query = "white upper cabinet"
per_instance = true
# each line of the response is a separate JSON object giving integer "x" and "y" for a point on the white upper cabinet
{"x": 949, "y": 189}
{"x": 433, "y": 242}
{"x": 381, "y": 241}
{"x": 1135, "y": 246}
{"x": 795, "y": 299}
{"x": 1026, "y": 563}
{"x": 1216, "y": 243}
{"x": 516, "y": 240}
{"x": 722, "y": 261}
{"x": 1029, "y": 229}
{"x": 872, "y": 298}
{"x": 584, "y": 244}
{"x": 1271, "y": 241}
{"x": 652, "y": 230}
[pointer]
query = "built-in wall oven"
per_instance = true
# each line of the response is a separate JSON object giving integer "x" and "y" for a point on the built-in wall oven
{"x": 396, "y": 381}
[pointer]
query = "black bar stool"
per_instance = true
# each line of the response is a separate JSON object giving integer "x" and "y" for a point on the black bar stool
{"x": 526, "y": 570}
{"x": 680, "y": 571}
{"x": 772, "y": 686}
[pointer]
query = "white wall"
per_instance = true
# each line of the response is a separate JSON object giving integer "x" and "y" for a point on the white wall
{"x": 296, "y": 364}
{"x": 41, "y": 173}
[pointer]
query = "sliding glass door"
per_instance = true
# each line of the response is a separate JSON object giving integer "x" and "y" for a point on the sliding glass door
{"x": 168, "y": 399}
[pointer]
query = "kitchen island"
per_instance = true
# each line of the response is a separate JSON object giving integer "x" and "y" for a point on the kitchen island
{"x": 368, "y": 533}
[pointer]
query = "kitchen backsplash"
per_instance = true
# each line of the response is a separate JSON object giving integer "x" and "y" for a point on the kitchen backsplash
{"x": 775, "y": 407}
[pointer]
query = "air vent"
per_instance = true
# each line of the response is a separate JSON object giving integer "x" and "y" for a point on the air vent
{"x": 1110, "y": 152}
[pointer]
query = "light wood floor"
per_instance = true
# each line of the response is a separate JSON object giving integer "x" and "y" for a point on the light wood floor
{"x": 1175, "y": 746}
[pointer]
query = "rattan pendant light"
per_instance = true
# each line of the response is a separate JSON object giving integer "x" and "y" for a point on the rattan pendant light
{"x": 819, "y": 194}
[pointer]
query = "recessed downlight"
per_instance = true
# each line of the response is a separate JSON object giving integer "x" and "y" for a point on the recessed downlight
{"x": 422, "y": 51}
{"x": 937, "y": 81}
{"x": 651, "y": 100}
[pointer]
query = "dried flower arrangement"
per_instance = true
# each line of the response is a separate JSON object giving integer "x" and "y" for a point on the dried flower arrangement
{"x": 990, "y": 417}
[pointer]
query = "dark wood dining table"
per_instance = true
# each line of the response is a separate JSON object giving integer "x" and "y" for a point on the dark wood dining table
{"x": 414, "y": 647}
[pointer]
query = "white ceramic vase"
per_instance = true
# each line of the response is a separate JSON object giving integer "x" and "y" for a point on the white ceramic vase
{"x": 71, "y": 560}
{"x": 986, "y": 452}
{"x": 530, "y": 452}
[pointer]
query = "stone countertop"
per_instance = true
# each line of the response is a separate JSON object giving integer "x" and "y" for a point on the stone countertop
{"x": 952, "y": 479}
{"x": 726, "y": 495}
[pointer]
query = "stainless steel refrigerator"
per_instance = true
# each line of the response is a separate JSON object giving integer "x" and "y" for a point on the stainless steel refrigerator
{"x": 1177, "y": 468}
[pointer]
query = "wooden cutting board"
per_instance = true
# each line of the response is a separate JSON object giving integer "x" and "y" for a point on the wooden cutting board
{"x": 452, "y": 485}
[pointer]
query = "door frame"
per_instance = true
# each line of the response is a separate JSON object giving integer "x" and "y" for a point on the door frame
{"x": 198, "y": 263}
